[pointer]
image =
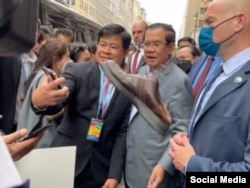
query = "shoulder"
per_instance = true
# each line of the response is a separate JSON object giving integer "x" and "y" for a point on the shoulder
{"x": 200, "y": 60}
{"x": 80, "y": 68}
{"x": 176, "y": 71}
{"x": 80, "y": 65}
{"x": 178, "y": 79}
{"x": 37, "y": 78}
{"x": 143, "y": 69}
{"x": 181, "y": 74}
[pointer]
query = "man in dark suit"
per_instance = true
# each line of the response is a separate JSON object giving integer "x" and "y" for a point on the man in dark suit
{"x": 218, "y": 136}
{"x": 136, "y": 60}
{"x": 96, "y": 123}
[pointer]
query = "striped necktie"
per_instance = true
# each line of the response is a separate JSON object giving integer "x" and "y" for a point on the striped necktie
{"x": 202, "y": 94}
{"x": 105, "y": 103}
{"x": 202, "y": 77}
{"x": 134, "y": 63}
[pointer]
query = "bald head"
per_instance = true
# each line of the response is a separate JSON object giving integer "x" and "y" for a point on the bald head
{"x": 231, "y": 22}
{"x": 138, "y": 30}
{"x": 231, "y": 7}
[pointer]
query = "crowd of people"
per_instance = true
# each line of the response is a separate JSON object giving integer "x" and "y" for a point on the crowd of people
{"x": 204, "y": 87}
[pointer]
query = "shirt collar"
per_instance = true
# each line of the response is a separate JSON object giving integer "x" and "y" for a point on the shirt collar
{"x": 236, "y": 62}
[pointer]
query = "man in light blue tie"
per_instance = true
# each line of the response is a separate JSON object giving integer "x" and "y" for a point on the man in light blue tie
{"x": 219, "y": 132}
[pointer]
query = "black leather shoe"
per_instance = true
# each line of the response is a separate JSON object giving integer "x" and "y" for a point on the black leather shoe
{"x": 143, "y": 92}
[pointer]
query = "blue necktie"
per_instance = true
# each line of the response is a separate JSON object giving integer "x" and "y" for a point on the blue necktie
{"x": 204, "y": 90}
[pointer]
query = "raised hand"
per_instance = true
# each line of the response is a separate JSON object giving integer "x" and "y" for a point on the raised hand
{"x": 48, "y": 94}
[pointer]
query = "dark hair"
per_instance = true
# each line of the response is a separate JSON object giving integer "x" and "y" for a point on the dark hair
{"x": 187, "y": 39}
{"x": 65, "y": 32}
{"x": 52, "y": 48}
{"x": 194, "y": 50}
{"x": 116, "y": 29}
{"x": 92, "y": 47}
{"x": 75, "y": 50}
{"x": 170, "y": 32}
{"x": 43, "y": 30}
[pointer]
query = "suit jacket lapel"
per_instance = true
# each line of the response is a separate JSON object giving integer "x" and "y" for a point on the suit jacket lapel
{"x": 196, "y": 67}
{"x": 167, "y": 69}
{"x": 226, "y": 87}
{"x": 141, "y": 63}
{"x": 112, "y": 102}
{"x": 96, "y": 76}
{"x": 130, "y": 62}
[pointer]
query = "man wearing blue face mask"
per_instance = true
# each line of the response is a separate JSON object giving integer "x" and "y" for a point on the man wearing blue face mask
{"x": 205, "y": 66}
{"x": 218, "y": 139}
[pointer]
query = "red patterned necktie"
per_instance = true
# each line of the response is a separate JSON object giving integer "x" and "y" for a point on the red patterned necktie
{"x": 202, "y": 77}
{"x": 134, "y": 63}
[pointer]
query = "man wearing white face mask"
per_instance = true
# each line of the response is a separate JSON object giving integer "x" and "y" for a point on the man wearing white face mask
{"x": 218, "y": 135}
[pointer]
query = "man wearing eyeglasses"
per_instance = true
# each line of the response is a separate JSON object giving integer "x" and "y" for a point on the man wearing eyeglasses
{"x": 147, "y": 164}
{"x": 97, "y": 114}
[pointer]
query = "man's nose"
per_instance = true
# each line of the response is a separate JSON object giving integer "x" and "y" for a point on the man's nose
{"x": 106, "y": 49}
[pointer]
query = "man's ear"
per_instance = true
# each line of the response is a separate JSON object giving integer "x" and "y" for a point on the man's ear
{"x": 240, "y": 22}
{"x": 172, "y": 47}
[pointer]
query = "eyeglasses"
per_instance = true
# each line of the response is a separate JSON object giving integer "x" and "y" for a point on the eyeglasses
{"x": 155, "y": 45}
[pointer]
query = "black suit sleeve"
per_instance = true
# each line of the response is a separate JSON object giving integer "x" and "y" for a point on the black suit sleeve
{"x": 70, "y": 81}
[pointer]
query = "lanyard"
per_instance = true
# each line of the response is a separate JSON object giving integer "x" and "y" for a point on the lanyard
{"x": 103, "y": 100}
{"x": 100, "y": 92}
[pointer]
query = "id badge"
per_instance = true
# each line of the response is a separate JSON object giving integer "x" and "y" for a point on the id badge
{"x": 95, "y": 129}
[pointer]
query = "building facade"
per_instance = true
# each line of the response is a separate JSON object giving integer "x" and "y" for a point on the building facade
{"x": 194, "y": 18}
{"x": 123, "y": 12}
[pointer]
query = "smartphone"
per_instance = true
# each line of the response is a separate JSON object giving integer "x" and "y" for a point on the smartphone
{"x": 50, "y": 72}
{"x": 35, "y": 132}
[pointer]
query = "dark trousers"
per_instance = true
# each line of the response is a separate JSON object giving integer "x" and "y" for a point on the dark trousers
{"x": 85, "y": 179}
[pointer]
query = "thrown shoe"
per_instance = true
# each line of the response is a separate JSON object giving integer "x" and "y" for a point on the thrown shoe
{"x": 143, "y": 92}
